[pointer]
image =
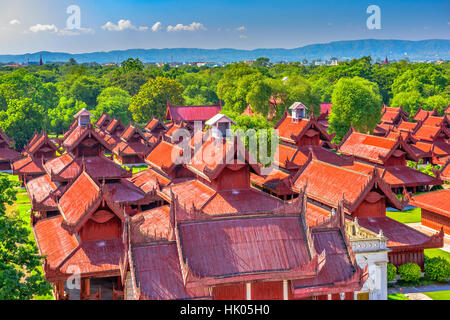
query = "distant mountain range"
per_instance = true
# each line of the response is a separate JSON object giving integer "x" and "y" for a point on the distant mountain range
{"x": 394, "y": 49}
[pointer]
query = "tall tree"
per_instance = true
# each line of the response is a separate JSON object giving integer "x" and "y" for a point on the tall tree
{"x": 20, "y": 274}
{"x": 356, "y": 102}
{"x": 115, "y": 102}
{"x": 153, "y": 97}
{"x": 22, "y": 119}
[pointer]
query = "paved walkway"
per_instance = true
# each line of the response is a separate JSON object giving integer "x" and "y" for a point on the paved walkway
{"x": 417, "y": 296}
{"x": 419, "y": 289}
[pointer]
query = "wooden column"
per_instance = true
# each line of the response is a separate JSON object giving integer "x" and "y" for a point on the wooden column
{"x": 248, "y": 291}
{"x": 60, "y": 294}
{"x": 285, "y": 290}
{"x": 85, "y": 287}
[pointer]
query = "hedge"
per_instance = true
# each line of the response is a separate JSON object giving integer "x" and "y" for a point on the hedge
{"x": 391, "y": 272}
{"x": 409, "y": 272}
{"x": 437, "y": 268}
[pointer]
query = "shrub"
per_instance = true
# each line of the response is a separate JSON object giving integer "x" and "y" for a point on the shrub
{"x": 437, "y": 268}
{"x": 409, "y": 272}
{"x": 391, "y": 272}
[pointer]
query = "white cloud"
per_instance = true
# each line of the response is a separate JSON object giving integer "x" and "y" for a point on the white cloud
{"x": 14, "y": 22}
{"x": 194, "y": 26}
{"x": 241, "y": 28}
{"x": 75, "y": 32}
{"x": 43, "y": 27}
{"x": 157, "y": 26}
{"x": 121, "y": 26}
{"x": 243, "y": 36}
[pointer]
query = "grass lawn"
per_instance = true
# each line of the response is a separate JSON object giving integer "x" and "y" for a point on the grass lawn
{"x": 431, "y": 253}
{"x": 439, "y": 295}
{"x": 397, "y": 296}
{"x": 407, "y": 216}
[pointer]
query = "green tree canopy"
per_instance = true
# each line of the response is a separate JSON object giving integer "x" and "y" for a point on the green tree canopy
{"x": 21, "y": 119}
{"x": 115, "y": 102}
{"x": 61, "y": 117}
{"x": 20, "y": 274}
{"x": 153, "y": 97}
{"x": 356, "y": 102}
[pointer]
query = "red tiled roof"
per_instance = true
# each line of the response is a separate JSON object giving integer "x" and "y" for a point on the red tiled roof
{"x": 437, "y": 201}
{"x": 79, "y": 198}
{"x": 130, "y": 148}
{"x": 445, "y": 171}
{"x": 404, "y": 176}
{"x": 389, "y": 116}
{"x": 428, "y": 133}
{"x": 164, "y": 156}
{"x": 214, "y": 156}
{"x": 103, "y": 118}
{"x": 66, "y": 167}
{"x": 95, "y": 257}
{"x": 232, "y": 247}
{"x": 433, "y": 121}
{"x": 289, "y": 127}
{"x": 38, "y": 144}
{"x": 124, "y": 191}
{"x": 7, "y": 154}
{"x": 422, "y": 114}
{"x": 148, "y": 180}
{"x": 248, "y": 111}
{"x": 158, "y": 274}
{"x": 5, "y": 138}
{"x": 113, "y": 125}
{"x": 28, "y": 165}
{"x": 325, "y": 107}
{"x": 276, "y": 181}
{"x": 408, "y": 126}
{"x": 78, "y": 134}
{"x": 338, "y": 266}
{"x": 367, "y": 146}
{"x": 338, "y": 181}
{"x": 191, "y": 113}
{"x": 240, "y": 201}
{"x": 398, "y": 234}
{"x": 151, "y": 224}
{"x": 39, "y": 191}
{"x": 297, "y": 157}
{"x": 54, "y": 241}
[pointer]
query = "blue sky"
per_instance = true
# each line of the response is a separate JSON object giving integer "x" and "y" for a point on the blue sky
{"x": 35, "y": 25}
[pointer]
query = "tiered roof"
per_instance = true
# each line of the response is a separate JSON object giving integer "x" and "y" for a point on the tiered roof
{"x": 67, "y": 167}
{"x": 340, "y": 183}
{"x": 422, "y": 114}
{"x": 6, "y": 153}
{"x": 292, "y": 130}
{"x": 191, "y": 113}
{"x": 372, "y": 148}
{"x": 93, "y": 257}
{"x": 103, "y": 121}
{"x": 285, "y": 246}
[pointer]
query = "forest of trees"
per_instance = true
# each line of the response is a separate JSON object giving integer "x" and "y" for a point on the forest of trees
{"x": 46, "y": 97}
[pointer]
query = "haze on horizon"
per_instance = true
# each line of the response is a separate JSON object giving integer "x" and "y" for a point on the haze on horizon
{"x": 28, "y": 26}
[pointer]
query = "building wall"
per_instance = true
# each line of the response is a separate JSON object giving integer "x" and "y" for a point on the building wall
{"x": 307, "y": 141}
{"x": 231, "y": 179}
{"x": 367, "y": 209}
{"x": 230, "y": 292}
{"x": 92, "y": 230}
{"x": 376, "y": 284}
{"x": 267, "y": 290}
{"x": 396, "y": 161}
{"x": 435, "y": 221}
{"x": 413, "y": 256}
